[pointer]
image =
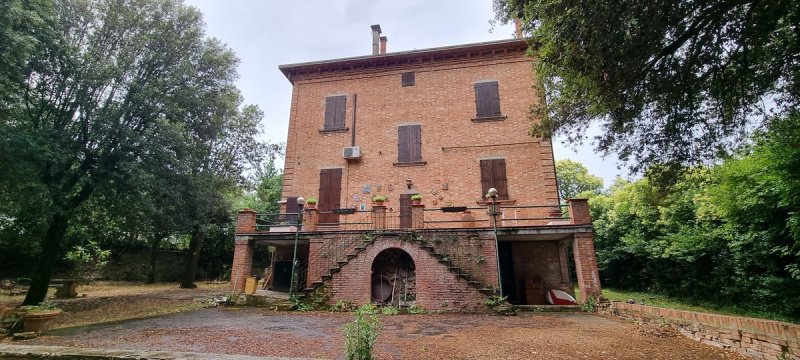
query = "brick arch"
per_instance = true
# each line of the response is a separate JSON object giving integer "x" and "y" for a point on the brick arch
{"x": 437, "y": 287}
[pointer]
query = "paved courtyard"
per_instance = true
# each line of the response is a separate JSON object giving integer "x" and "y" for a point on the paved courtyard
{"x": 257, "y": 331}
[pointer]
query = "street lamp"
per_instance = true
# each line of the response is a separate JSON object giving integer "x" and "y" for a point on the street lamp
{"x": 492, "y": 194}
{"x": 301, "y": 202}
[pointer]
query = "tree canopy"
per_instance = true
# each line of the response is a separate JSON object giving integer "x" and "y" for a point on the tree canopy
{"x": 574, "y": 178}
{"x": 106, "y": 100}
{"x": 669, "y": 81}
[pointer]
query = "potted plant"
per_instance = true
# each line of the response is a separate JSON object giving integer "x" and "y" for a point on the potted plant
{"x": 312, "y": 203}
{"x": 36, "y": 318}
{"x": 378, "y": 200}
{"x": 416, "y": 199}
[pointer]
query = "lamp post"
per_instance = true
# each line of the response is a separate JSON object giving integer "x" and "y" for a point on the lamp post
{"x": 301, "y": 202}
{"x": 493, "y": 195}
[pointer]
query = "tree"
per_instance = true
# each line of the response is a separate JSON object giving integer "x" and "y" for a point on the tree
{"x": 574, "y": 178}
{"x": 105, "y": 77}
{"x": 670, "y": 81}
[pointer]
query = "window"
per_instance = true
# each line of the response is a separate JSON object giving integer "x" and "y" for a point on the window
{"x": 409, "y": 144}
{"x": 408, "y": 79}
{"x": 334, "y": 112}
{"x": 487, "y": 100}
{"x": 493, "y": 175}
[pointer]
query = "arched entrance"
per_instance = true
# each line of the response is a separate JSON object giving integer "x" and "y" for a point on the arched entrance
{"x": 393, "y": 278}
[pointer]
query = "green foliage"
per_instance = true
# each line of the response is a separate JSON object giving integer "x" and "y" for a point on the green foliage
{"x": 389, "y": 310}
{"x": 574, "y": 178}
{"x": 590, "y": 305}
{"x": 724, "y": 234}
{"x": 299, "y": 304}
{"x": 361, "y": 334}
{"x": 415, "y": 309}
{"x": 416, "y": 197}
{"x": 495, "y": 300}
{"x": 311, "y": 201}
{"x": 343, "y": 306}
{"x": 379, "y": 198}
{"x": 88, "y": 260}
{"x": 669, "y": 81}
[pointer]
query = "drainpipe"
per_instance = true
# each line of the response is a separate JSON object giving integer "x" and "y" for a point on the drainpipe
{"x": 300, "y": 212}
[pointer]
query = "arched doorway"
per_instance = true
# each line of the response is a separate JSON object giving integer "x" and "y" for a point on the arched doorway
{"x": 393, "y": 278}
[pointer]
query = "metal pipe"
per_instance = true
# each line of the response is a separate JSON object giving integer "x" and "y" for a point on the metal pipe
{"x": 301, "y": 210}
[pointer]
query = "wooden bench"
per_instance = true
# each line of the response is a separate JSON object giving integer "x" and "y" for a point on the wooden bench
{"x": 67, "y": 288}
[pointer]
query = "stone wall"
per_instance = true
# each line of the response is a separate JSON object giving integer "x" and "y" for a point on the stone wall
{"x": 758, "y": 338}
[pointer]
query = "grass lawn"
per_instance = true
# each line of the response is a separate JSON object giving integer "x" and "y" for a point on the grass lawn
{"x": 683, "y": 304}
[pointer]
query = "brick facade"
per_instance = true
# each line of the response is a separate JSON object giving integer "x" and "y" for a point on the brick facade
{"x": 442, "y": 101}
{"x": 242, "y": 262}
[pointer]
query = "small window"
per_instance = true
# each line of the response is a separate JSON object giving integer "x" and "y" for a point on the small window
{"x": 487, "y": 100}
{"x": 493, "y": 175}
{"x": 408, "y": 79}
{"x": 409, "y": 144}
{"x": 334, "y": 112}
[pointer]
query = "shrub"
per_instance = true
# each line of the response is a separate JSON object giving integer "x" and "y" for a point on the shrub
{"x": 361, "y": 334}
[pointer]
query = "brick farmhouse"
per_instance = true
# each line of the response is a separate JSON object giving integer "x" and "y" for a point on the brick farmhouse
{"x": 447, "y": 125}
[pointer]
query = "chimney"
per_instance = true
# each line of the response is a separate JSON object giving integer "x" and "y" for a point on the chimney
{"x": 517, "y": 28}
{"x": 384, "y": 39}
{"x": 376, "y": 33}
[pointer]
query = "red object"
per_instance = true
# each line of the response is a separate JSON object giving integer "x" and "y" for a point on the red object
{"x": 558, "y": 297}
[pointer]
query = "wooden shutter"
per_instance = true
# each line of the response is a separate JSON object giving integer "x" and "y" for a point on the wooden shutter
{"x": 291, "y": 209}
{"x": 330, "y": 191}
{"x": 487, "y": 99}
{"x": 405, "y": 211}
{"x": 335, "y": 109}
{"x": 493, "y": 175}
{"x": 409, "y": 143}
{"x": 408, "y": 79}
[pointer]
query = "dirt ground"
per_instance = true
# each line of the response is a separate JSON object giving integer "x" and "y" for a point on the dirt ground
{"x": 96, "y": 322}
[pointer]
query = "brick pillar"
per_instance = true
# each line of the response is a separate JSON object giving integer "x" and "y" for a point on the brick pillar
{"x": 242, "y": 262}
{"x": 246, "y": 221}
{"x": 586, "y": 266}
{"x": 310, "y": 219}
{"x": 579, "y": 211}
{"x": 378, "y": 217}
{"x": 417, "y": 216}
{"x": 489, "y": 264}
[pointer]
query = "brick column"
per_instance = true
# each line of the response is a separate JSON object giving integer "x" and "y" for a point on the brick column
{"x": 378, "y": 217}
{"x": 579, "y": 211}
{"x": 586, "y": 266}
{"x": 417, "y": 216}
{"x": 246, "y": 221}
{"x": 242, "y": 262}
{"x": 310, "y": 219}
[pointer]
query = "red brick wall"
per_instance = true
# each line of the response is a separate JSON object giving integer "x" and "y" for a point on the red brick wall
{"x": 443, "y": 103}
{"x": 761, "y": 339}
{"x": 437, "y": 287}
{"x": 246, "y": 221}
{"x": 586, "y": 266}
{"x": 242, "y": 263}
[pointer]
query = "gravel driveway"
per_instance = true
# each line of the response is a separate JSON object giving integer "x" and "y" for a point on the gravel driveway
{"x": 256, "y": 331}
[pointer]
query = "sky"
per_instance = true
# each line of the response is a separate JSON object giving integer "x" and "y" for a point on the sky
{"x": 268, "y": 33}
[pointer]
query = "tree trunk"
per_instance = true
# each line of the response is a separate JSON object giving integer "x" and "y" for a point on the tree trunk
{"x": 192, "y": 257}
{"x": 155, "y": 245}
{"x": 51, "y": 244}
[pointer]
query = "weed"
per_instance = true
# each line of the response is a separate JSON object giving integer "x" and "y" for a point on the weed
{"x": 590, "y": 305}
{"x": 415, "y": 309}
{"x": 343, "y": 306}
{"x": 390, "y": 310}
{"x": 361, "y": 334}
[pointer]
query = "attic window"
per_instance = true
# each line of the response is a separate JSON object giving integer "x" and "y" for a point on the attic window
{"x": 408, "y": 79}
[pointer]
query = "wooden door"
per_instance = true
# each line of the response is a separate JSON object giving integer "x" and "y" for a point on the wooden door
{"x": 405, "y": 211}
{"x": 330, "y": 192}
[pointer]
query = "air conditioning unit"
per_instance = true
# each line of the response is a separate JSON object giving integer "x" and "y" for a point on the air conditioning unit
{"x": 352, "y": 153}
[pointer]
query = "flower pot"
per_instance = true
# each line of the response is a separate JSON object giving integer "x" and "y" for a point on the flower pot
{"x": 377, "y": 203}
{"x": 38, "y": 321}
{"x": 416, "y": 202}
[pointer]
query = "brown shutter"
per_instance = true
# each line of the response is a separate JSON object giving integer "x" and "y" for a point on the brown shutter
{"x": 500, "y": 180}
{"x": 403, "y": 145}
{"x": 415, "y": 135}
{"x": 405, "y": 211}
{"x": 487, "y": 99}
{"x": 330, "y": 191}
{"x": 335, "y": 109}
{"x": 493, "y": 175}
{"x": 291, "y": 209}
